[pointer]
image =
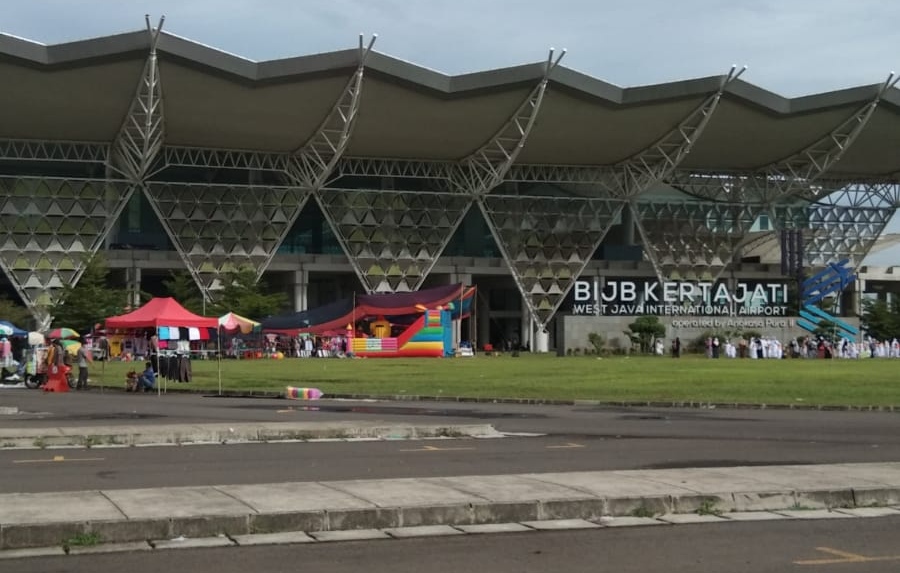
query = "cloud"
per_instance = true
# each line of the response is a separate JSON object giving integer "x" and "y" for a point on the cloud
{"x": 793, "y": 48}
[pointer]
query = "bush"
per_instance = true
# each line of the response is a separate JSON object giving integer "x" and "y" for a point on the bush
{"x": 597, "y": 341}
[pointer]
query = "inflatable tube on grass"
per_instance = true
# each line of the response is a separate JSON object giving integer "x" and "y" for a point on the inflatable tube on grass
{"x": 294, "y": 393}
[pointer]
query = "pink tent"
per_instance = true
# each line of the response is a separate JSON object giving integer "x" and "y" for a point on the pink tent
{"x": 233, "y": 323}
{"x": 162, "y": 311}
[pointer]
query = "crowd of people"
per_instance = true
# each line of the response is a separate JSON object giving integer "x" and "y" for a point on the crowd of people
{"x": 281, "y": 346}
{"x": 764, "y": 347}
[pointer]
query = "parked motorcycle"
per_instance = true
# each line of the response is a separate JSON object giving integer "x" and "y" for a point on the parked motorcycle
{"x": 38, "y": 380}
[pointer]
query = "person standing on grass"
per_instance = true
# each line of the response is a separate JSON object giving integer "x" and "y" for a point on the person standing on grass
{"x": 83, "y": 357}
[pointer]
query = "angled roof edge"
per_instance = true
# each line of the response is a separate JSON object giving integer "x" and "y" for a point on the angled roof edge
{"x": 217, "y": 59}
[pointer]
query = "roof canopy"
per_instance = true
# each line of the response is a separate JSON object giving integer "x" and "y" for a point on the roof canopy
{"x": 80, "y": 91}
{"x": 164, "y": 311}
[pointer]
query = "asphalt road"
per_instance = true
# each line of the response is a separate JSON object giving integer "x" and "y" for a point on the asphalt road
{"x": 576, "y": 438}
{"x": 849, "y": 546}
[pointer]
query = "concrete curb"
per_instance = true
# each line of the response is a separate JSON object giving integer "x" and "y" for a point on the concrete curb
{"x": 180, "y": 434}
{"x": 14, "y": 537}
{"x": 550, "y": 402}
{"x": 123, "y": 516}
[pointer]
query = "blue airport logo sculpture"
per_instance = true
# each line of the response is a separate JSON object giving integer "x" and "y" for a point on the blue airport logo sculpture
{"x": 832, "y": 280}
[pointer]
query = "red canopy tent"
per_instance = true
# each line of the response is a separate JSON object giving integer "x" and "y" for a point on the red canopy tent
{"x": 162, "y": 311}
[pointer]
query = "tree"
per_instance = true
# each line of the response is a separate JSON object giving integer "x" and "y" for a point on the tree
{"x": 89, "y": 301}
{"x": 243, "y": 294}
{"x": 14, "y": 312}
{"x": 826, "y": 329}
{"x": 645, "y": 330}
{"x": 181, "y": 286}
{"x": 880, "y": 320}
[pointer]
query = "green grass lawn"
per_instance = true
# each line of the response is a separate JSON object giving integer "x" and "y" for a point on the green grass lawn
{"x": 864, "y": 382}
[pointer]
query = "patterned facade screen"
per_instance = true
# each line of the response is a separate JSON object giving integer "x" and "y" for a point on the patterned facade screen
{"x": 219, "y": 228}
{"x": 547, "y": 242}
{"x": 393, "y": 238}
{"x": 693, "y": 240}
{"x": 834, "y": 232}
{"x": 49, "y": 227}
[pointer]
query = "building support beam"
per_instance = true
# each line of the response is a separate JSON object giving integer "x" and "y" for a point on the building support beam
{"x": 62, "y": 151}
{"x": 312, "y": 164}
{"x": 136, "y": 148}
{"x": 486, "y": 168}
{"x": 796, "y": 175}
{"x": 636, "y": 175}
{"x": 639, "y": 173}
{"x": 801, "y": 174}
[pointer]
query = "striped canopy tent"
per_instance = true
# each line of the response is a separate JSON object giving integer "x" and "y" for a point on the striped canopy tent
{"x": 234, "y": 323}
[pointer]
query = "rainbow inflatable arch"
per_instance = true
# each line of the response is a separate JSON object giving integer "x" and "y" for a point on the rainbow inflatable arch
{"x": 430, "y": 335}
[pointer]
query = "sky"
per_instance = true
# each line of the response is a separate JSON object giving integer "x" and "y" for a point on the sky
{"x": 791, "y": 47}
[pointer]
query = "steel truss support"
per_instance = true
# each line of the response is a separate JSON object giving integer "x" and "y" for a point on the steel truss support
{"x": 48, "y": 228}
{"x": 445, "y": 170}
{"x": 224, "y": 159}
{"x": 219, "y": 229}
{"x": 64, "y": 151}
{"x": 547, "y": 242}
{"x": 693, "y": 240}
{"x": 140, "y": 139}
{"x": 798, "y": 175}
{"x": 873, "y": 195}
{"x": 639, "y": 173}
{"x": 313, "y": 163}
{"x": 486, "y": 168}
{"x": 395, "y": 168}
{"x": 393, "y": 238}
{"x": 842, "y": 225}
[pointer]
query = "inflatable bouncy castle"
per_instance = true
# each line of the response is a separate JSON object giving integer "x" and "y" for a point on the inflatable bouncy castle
{"x": 408, "y": 324}
{"x": 430, "y": 335}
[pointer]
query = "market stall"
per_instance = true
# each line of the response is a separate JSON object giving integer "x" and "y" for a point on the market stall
{"x": 173, "y": 331}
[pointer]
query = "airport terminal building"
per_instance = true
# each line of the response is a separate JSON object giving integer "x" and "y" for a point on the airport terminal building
{"x": 572, "y": 204}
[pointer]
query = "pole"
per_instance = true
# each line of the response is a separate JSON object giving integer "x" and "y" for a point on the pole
{"x": 219, "y": 356}
{"x": 474, "y": 321}
{"x": 166, "y": 382}
{"x": 460, "y": 319}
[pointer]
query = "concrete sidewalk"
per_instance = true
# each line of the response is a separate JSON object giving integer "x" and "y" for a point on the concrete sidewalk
{"x": 236, "y": 514}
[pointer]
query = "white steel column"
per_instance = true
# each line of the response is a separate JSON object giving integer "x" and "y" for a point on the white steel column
{"x": 526, "y": 328}
{"x": 301, "y": 290}
{"x": 541, "y": 341}
{"x": 464, "y": 279}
